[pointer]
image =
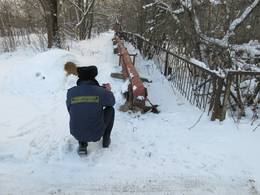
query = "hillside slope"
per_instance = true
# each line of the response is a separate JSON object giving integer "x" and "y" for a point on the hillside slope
{"x": 149, "y": 154}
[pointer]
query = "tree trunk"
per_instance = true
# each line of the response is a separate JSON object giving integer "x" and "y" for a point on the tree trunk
{"x": 91, "y": 25}
{"x": 82, "y": 26}
{"x": 54, "y": 22}
{"x": 240, "y": 102}
{"x": 51, "y": 17}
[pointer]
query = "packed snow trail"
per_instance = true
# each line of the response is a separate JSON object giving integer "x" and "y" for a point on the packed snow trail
{"x": 149, "y": 154}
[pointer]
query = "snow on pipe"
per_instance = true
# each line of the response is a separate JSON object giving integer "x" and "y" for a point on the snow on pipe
{"x": 129, "y": 71}
{"x": 136, "y": 93}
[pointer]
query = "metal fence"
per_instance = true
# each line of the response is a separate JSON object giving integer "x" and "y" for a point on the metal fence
{"x": 202, "y": 87}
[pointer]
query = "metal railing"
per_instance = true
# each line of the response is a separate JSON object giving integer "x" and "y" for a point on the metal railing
{"x": 202, "y": 87}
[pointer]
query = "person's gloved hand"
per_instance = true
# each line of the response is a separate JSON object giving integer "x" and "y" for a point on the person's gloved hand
{"x": 107, "y": 86}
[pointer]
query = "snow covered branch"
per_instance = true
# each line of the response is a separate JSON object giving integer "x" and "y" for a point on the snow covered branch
{"x": 187, "y": 4}
{"x": 224, "y": 42}
{"x": 150, "y": 5}
{"x": 83, "y": 12}
{"x": 91, "y": 4}
{"x": 164, "y": 6}
{"x": 239, "y": 20}
{"x": 76, "y": 6}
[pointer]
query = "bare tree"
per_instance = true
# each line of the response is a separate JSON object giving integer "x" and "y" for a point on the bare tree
{"x": 210, "y": 39}
{"x": 19, "y": 20}
{"x": 50, "y": 8}
{"x": 84, "y": 11}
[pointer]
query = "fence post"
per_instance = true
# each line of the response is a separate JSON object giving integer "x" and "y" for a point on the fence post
{"x": 226, "y": 96}
{"x": 217, "y": 107}
{"x": 140, "y": 44}
{"x": 166, "y": 64}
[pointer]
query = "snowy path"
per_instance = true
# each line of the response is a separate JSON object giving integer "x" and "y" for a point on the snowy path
{"x": 149, "y": 154}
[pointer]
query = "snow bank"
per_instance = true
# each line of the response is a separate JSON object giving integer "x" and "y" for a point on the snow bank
{"x": 149, "y": 154}
{"x": 40, "y": 74}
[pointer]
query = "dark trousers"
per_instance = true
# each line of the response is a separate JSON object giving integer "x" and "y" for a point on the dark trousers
{"x": 109, "y": 117}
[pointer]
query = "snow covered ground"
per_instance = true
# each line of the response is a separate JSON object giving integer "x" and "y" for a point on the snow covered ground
{"x": 149, "y": 154}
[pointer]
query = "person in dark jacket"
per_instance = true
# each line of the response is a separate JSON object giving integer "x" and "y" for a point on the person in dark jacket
{"x": 90, "y": 107}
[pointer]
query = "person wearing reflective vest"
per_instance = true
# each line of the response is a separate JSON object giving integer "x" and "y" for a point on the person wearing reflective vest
{"x": 90, "y": 107}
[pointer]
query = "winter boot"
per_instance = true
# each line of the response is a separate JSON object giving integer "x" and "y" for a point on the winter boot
{"x": 83, "y": 148}
{"x": 106, "y": 142}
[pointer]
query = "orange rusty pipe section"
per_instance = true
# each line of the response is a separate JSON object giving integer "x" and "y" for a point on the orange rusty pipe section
{"x": 130, "y": 72}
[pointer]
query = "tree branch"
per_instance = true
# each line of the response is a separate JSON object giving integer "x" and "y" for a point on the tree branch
{"x": 76, "y": 6}
{"x": 163, "y": 6}
{"x": 187, "y": 5}
{"x": 90, "y": 6}
{"x": 224, "y": 42}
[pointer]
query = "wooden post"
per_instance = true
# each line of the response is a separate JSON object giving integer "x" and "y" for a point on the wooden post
{"x": 134, "y": 56}
{"x": 140, "y": 44}
{"x": 120, "y": 56}
{"x": 226, "y": 96}
{"x": 166, "y": 64}
{"x": 217, "y": 107}
{"x": 239, "y": 98}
